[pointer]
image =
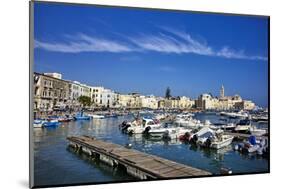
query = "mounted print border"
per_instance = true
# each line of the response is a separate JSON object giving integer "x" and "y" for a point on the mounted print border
{"x": 127, "y": 94}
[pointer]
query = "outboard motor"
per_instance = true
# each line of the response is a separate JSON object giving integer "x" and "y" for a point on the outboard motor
{"x": 146, "y": 130}
{"x": 194, "y": 139}
{"x": 166, "y": 135}
{"x": 125, "y": 127}
{"x": 208, "y": 142}
{"x": 122, "y": 124}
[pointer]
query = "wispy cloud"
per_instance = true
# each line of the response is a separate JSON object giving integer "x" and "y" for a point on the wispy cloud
{"x": 166, "y": 41}
{"x": 230, "y": 53}
{"x": 85, "y": 43}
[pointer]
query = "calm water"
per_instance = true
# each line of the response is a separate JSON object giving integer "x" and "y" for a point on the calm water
{"x": 56, "y": 164}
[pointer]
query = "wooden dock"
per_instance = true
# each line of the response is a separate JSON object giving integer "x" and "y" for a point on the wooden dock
{"x": 136, "y": 163}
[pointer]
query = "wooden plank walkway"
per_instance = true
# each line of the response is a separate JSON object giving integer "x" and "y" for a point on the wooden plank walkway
{"x": 138, "y": 164}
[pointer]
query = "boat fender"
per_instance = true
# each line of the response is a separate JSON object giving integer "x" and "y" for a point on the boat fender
{"x": 225, "y": 171}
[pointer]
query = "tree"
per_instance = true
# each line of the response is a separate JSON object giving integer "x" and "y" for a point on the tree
{"x": 168, "y": 93}
{"x": 85, "y": 101}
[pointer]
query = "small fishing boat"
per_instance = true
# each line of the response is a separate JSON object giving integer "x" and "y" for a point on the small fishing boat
{"x": 220, "y": 142}
{"x": 253, "y": 145}
{"x": 38, "y": 123}
{"x": 175, "y": 133}
{"x": 110, "y": 115}
{"x": 243, "y": 126}
{"x": 257, "y": 132}
{"x": 204, "y": 132}
{"x": 96, "y": 116}
{"x": 143, "y": 125}
{"x": 240, "y": 114}
{"x": 216, "y": 140}
{"x": 81, "y": 116}
{"x": 65, "y": 119}
{"x": 186, "y": 120}
{"x": 225, "y": 126}
{"x": 51, "y": 123}
{"x": 158, "y": 132}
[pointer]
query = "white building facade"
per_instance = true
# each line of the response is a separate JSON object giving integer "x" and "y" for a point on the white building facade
{"x": 102, "y": 97}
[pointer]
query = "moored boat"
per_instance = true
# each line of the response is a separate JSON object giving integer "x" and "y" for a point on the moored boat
{"x": 143, "y": 125}
{"x": 81, "y": 116}
{"x": 51, "y": 123}
{"x": 243, "y": 126}
{"x": 221, "y": 142}
{"x": 38, "y": 123}
{"x": 96, "y": 116}
{"x": 257, "y": 132}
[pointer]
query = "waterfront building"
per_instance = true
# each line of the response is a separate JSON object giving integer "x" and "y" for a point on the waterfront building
{"x": 131, "y": 100}
{"x": 124, "y": 100}
{"x": 50, "y": 92}
{"x": 167, "y": 103}
{"x": 102, "y": 97}
{"x": 75, "y": 91}
{"x": 245, "y": 105}
{"x": 86, "y": 90}
{"x": 176, "y": 103}
{"x": 149, "y": 102}
{"x": 207, "y": 102}
{"x": 185, "y": 103}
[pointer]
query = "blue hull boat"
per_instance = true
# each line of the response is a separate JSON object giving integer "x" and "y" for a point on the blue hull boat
{"x": 80, "y": 116}
{"x": 52, "y": 123}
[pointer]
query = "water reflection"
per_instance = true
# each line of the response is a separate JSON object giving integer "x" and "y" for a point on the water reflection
{"x": 56, "y": 164}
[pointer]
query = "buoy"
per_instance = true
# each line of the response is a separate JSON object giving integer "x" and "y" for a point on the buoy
{"x": 128, "y": 145}
{"x": 226, "y": 171}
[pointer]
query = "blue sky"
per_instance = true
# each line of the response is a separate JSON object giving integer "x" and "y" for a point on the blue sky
{"x": 135, "y": 50}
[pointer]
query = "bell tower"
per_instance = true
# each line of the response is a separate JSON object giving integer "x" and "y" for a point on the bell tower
{"x": 222, "y": 92}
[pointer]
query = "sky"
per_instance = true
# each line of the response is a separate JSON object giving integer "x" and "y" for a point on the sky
{"x": 146, "y": 51}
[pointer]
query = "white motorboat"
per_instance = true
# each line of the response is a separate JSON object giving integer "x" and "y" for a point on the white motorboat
{"x": 257, "y": 132}
{"x": 159, "y": 132}
{"x": 160, "y": 116}
{"x": 243, "y": 126}
{"x": 96, "y": 116}
{"x": 204, "y": 132}
{"x": 140, "y": 125}
{"x": 224, "y": 126}
{"x": 224, "y": 141}
{"x": 176, "y": 133}
{"x": 240, "y": 114}
{"x": 186, "y": 120}
{"x": 216, "y": 140}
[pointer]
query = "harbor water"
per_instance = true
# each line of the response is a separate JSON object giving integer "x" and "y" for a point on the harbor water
{"x": 55, "y": 163}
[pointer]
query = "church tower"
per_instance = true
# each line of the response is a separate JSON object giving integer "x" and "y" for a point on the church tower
{"x": 222, "y": 92}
